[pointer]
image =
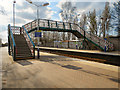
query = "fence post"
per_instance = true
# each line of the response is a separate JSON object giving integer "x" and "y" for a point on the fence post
{"x": 9, "y": 39}
{"x": 56, "y": 25}
{"x": 14, "y": 57}
{"x": 31, "y": 25}
{"x": 64, "y": 25}
{"x": 105, "y": 45}
{"x": 84, "y": 41}
{"x": 70, "y": 26}
{"x": 48, "y": 24}
{"x": 34, "y": 52}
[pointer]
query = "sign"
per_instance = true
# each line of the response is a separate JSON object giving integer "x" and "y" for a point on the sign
{"x": 39, "y": 31}
{"x": 37, "y": 34}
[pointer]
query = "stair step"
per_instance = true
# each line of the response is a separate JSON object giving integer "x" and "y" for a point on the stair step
{"x": 24, "y": 55}
{"x": 21, "y": 58}
{"x": 23, "y": 50}
{"x": 25, "y": 46}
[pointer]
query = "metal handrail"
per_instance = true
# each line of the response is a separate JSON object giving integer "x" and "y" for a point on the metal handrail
{"x": 28, "y": 35}
{"x": 14, "y": 45}
{"x": 29, "y": 44}
{"x": 12, "y": 36}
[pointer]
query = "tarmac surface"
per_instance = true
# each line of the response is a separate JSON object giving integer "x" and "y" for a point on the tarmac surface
{"x": 55, "y": 71}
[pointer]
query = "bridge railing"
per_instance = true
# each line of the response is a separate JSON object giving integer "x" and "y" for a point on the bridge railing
{"x": 99, "y": 41}
{"x": 16, "y": 30}
{"x": 11, "y": 43}
{"x": 69, "y": 26}
{"x": 29, "y": 41}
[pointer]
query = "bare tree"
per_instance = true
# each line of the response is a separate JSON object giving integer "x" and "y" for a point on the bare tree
{"x": 93, "y": 22}
{"x": 2, "y": 11}
{"x": 68, "y": 14}
{"x": 106, "y": 17}
{"x": 115, "y": 16}
{"x": 83, "y": 21}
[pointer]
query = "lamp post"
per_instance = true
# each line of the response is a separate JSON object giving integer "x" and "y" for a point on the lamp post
{"x": 45, "y": 4}
{"x": 14, "y": 13}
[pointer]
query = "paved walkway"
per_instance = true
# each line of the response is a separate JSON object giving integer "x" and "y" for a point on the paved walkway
{"x": 54, "y": 71}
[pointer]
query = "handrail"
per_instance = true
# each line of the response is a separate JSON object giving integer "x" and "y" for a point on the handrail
{"x": 88, "y": 38}
{"x": 28, "y": 35}
{"x": 13, "y": 46}
{"x": 12, "y": 36}
{"x": 29, "y": 41}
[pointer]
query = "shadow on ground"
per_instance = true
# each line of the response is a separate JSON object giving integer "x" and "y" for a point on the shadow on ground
{"x": 24, "y": 62}
{"x": 53, "y": 59}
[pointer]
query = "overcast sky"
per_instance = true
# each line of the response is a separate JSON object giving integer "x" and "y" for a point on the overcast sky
{"x": 26, "y": 12}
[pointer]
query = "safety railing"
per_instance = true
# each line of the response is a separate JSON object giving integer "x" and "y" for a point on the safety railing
{"x": 29, "y": 40}
{"x": 11, "y": 42}
{"x": 100, "y": 42}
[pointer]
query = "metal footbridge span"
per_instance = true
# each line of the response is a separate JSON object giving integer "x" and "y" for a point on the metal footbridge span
{"x": 48, "y": 25}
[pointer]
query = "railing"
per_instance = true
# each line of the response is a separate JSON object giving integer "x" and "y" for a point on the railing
{"x": 11, "y": 41}
{"x": 100, "y": 42}
{"x": 29, "y": 41}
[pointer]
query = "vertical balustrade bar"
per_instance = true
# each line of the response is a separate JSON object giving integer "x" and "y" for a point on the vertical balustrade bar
{"x": 31, "y": 25}
{"x": 64, "y": 25}
{"x": 33, "y": 51}
{"x": 20, "y": 30}
{"x": 70, "y": 26}
{"x": 9, "y": 39}
{"x": 56, "y": 25}
{"x": 84, "y": 41}
{"x": 14, "y": 56}
{"x": 39, "y": 22}
{"x": 48, "y": 23}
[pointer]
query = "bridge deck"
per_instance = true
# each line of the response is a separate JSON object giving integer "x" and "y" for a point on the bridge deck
{"x": 54, "y": 71}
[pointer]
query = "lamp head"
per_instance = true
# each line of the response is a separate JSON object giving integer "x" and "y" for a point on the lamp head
{"x": 46, "y": 4}
{"x": 29, "y": 1}
{"x": 14, "y": 1}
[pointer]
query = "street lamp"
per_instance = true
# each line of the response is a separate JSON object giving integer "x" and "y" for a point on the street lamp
{"x": 14, "y": 13}
{"x": 45, "y": 4}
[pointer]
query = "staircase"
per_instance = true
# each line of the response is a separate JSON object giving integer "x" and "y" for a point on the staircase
{"x": 20, "y": 45}
{"x": 22, "y": 49}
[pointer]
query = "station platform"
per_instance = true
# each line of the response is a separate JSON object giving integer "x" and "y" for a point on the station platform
{"x": 85, "y": 51}
{"x": 56, "y": 71}
{"x": 92, "y": 55}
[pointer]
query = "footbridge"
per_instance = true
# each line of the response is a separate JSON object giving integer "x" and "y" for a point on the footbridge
{"x": 20, "y": 42}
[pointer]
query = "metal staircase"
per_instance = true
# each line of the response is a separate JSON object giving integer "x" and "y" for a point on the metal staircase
{"x": 20, "y": 45}
{"x": 50, "y": 25}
